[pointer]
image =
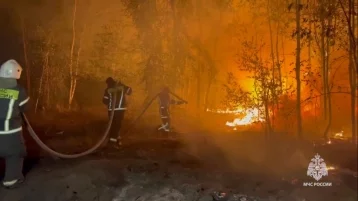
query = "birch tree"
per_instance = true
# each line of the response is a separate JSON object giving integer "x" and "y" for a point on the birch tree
{"x": 72, "y": 65}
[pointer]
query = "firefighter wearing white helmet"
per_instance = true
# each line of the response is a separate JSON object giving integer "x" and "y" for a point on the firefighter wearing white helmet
{"x": 13, "y": 99}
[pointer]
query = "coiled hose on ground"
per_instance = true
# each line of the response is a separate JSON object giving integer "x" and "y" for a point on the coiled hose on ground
{"x": 72, "y": 156}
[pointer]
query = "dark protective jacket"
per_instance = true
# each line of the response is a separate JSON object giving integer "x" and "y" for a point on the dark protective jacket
{"x": 121, "y": 99}
{"x": 13, "y": 101}
{"x": 165, "y": 101}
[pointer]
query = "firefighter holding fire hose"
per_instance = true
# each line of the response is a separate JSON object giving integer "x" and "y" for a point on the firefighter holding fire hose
{"x": 164, "y": 104}
{"x": 119, "y": 106}
{"x": 13, "y": 100}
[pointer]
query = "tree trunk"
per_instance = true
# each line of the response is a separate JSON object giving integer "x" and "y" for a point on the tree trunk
{"x": 284, "y": 60}
{"x": 310, "y": 65}
{"x": 278, "y": 65}
{"x": 327, "y": 77}
{"x": 48, "y": 87}
{"x": 72, "y": 72}
{"x": 323, "y": 60}
{"x": 198, "y": 90}
{"x": 27, "y": 71}
{"x": 354, "y": 38}
{"x": 212, "y": 67}
{"x": 353, "y": 65}
{"x": 298, "y": 69}
{"x": 175, "y": 40}
{"x": 40, "y": 90}
{"x": 267, "y": 118}
{"x": 188, "y": 87}
{"x": 272, "y": 89}
{"x": 328, "y": 96}
{"x": 198, "y": 5}
{"x": 207, "y": 93}
{"x": 351, "y": 70}
{"x": 74, "y": 78}
{"x": 268, "y": 122}
{"x": 355, "y": 85}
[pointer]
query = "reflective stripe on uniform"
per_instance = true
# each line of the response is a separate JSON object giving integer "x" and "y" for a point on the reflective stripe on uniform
{"x": 24, "y": 101}
{"x": 9, "y": 183}
{"x": 110, "y": 101}
{"x": 120, "y": 102}
{"x": 9, "y": 114}
{"x": 165, "y": 127}
{"x": 115, "y": 109}
{"x": 10, "y": 131}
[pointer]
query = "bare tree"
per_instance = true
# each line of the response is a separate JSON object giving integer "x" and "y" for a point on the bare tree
{"x": 353, "y": 64}
{"x": 72, "y": 70}
{"x": 24, "y": 45}
{"x": 298, "y": 68}
{"x": 44, "y": 84}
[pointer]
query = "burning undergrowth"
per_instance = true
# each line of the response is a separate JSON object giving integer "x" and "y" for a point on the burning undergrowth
{"x": 243, "y": 117}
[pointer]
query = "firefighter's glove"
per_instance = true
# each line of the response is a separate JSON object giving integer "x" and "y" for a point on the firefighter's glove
{"x": 181, "y": 102}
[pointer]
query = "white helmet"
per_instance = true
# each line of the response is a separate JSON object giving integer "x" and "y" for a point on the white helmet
{"x": 10, "y": 69}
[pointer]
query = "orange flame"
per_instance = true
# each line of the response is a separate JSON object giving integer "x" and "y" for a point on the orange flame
{"x": 249, "y": 116}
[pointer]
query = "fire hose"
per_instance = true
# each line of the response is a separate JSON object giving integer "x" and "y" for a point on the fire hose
{"x": 87, "y": 152}
{"x": 104, "y": 136}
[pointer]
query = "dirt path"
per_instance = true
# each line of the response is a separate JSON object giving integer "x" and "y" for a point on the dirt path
{"x": 160, "y": 170}
{"x": 190, "y": 167}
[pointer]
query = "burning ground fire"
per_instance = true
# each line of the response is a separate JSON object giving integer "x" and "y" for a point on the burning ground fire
{"x": 248, "y": 116}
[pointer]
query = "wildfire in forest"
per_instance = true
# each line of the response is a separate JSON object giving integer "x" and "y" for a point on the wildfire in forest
{"x": 247, "y": 116}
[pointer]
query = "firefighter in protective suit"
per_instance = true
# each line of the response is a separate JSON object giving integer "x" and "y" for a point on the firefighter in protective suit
{"x": 119, "y": 107}
{"x": 13, "y": 99}
{"x": 164, "y": 104}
